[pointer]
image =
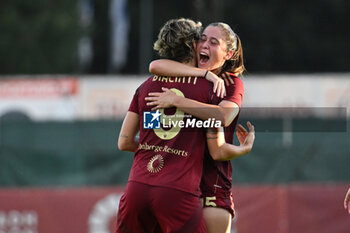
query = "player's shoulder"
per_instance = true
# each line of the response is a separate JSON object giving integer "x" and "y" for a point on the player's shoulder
{"x": 232, "y": 80}
{"x": 144, "y": 85}
{"x": 151, "y": 78}
{"x": 148, "y": 81}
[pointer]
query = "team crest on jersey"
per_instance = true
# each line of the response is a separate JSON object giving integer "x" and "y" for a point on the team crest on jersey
{"x": 155, "y": 164}
{"x": 151, "y": 120}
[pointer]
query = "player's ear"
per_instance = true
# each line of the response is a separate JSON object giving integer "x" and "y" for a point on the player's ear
{"x": 228, "y": 55}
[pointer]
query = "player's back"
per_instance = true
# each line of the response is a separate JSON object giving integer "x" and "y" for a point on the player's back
{"x": 170, "y": 156}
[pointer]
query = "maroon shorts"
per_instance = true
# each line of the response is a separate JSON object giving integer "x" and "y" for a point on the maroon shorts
{"x": 144, "y": 208}
{"x": 220, "y": 201}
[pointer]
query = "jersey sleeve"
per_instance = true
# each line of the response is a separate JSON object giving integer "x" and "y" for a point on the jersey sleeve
{"x": 234, "y": 89}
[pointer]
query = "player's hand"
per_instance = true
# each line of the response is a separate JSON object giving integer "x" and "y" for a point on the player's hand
{"x": 163, "y": 99}
{"x": 246, "y": 137}
{"x": 347, "y": 201}
{"x": 218, "y": 84}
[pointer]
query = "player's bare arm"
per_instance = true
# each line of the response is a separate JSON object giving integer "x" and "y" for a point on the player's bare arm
{"x": 222, "y": 151}
{"x": 167, "y": 67}
{"x": 225, "y": 112}
{"x": 128, "y": 140}
{"x": 347, "y": 201}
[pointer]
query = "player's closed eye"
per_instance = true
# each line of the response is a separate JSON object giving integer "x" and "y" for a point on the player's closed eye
{"x": 214, "y": 42}
{"x": 203, "y": 38}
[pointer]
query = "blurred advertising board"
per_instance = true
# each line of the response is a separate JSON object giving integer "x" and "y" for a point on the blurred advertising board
{"x": 39, "y": 99}
{"x": 108, "y": 97}
{"x": 66, "y": 98}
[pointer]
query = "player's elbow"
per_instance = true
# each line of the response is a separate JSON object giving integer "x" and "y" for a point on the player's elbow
{"x": 217, "y": 155}
{"x": 227, "y": 119}
{"x": 226, "y": 122}
{"x": 221, "y": 118}
{"x": 224, "y": 118}
{"x": 229, "y": 114}
{"x": 123, "y": 145}
{"x": 154, "y": 67}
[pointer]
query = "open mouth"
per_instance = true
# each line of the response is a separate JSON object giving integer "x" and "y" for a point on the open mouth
{"x": 203, "y": 58}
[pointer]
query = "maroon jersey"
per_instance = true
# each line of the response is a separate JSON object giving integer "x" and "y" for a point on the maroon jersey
{"x": 217, "y": 175}
{"x": 170, "y": 158}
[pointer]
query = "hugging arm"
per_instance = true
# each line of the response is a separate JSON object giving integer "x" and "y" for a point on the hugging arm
{"x": 166, "y": 67}
{"x": 222, "y": 151}
{"x": 128, "y": 140}
{"x": 225, "y": 112}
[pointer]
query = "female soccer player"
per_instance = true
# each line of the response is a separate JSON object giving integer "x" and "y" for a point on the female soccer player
{"x": 218, "y": 50}
{"x": 163, "y": 185}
